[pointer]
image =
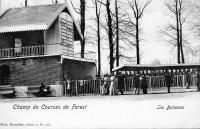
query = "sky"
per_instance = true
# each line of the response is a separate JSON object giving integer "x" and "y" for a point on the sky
{"x": 153, "y": 46}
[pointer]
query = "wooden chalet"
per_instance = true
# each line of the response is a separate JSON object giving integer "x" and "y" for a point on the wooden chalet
{"x": 37, "y": 45}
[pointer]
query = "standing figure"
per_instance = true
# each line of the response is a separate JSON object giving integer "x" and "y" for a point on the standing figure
{"x": 106, "y": 84}
{"x": 144, "y": 85}
{"x": 198, "y": 80}
{"x": 137, "y": 84}
{"x": 69, "y": 86}
{"x": 112, "y": 86}
{"x": 121, "y": 84}
{"x": 188, "y": 77}
{"x": 168, "y": 80}
{"x": 116, "y": 85}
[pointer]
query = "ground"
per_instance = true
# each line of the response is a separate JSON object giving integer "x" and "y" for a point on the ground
{"x": 122, "y": 111}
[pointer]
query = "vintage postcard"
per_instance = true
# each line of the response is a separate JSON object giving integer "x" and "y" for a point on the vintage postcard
{"x": 99, "y": 64}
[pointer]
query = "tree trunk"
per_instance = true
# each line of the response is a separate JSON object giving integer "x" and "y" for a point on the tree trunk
{"x": 82, "y": 48}
{"x": 137, "y": 41}
{"x": 98, "y": 40}
{"x": 177, "y": 30}
{"x": 99, "y": 51}
{"x": 181, "y": 39}
{"x": 26, "y": 3}
{"x": 110, "y": 34}
{"x": 117, "y": 33}
{"x": 82, "y": 13}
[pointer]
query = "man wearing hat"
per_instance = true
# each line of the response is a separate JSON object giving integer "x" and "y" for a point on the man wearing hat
{"x": 168, "y": 80}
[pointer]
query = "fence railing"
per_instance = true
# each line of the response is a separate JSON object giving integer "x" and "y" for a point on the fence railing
{"x": 83, "y": 87}
{"x": 22, "y": 51}
{"x": 157, "y": 83}
{"x": 36, "y": 50}
{"x": 48, "y": 49}
{"x": 93, "y": 87}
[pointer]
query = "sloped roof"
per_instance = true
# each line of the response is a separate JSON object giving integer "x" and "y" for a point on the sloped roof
{"x": 155, "y": 67}
{"x": 32, "y": 18}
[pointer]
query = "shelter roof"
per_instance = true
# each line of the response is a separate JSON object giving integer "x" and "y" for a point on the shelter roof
{"x": 155, "y": 67}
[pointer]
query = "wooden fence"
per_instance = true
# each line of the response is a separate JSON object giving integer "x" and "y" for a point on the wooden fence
{"x": 158, "y": 84}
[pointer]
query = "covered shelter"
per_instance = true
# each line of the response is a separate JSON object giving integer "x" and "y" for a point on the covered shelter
{"x": 149, "y": 69}
{"x": 183, "y": 77}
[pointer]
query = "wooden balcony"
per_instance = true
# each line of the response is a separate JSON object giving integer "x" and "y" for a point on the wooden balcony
{"x": 42, "y": 50}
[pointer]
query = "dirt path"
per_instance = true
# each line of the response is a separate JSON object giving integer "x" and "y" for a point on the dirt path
{"x": 127, "y": 111}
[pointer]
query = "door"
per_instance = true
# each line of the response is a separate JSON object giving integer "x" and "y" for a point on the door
{"x": 4, "y": 75}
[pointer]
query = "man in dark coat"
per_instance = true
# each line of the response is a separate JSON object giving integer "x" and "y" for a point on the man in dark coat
{"x": 168, "y": 80}
{"x": 137, "y": 84}
{"x": 121, "y": 84}
{"x": 198, "y": 80}
{"x": 188, "y": 77}
{"x": 44, "y": 91}
{"x": 144, "y": 85}
{"x": 106, "y": 84}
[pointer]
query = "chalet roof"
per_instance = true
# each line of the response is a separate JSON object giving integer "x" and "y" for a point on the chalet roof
{"x": 32, "y": 18}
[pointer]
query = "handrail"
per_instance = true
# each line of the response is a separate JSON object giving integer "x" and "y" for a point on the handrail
{"x": 45, "y": 49}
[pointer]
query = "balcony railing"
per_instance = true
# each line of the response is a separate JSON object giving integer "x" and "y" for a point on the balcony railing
{"x": 50, "y": 49}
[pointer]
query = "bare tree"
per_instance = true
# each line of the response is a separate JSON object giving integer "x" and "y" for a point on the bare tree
{"x": 97, "y": 6}
{"x": 110, "y": 34}
{"x": 196, "y": 18}
{"x": 174, "y": 32}
{"x": 123, "y": 30}
{"x": 117, "y": 32}
{"x": 81, "y": 12}
{"x": 120, "y": 31}
{"x": 82, "y": 15}
{"x": 138, "y": 11}
{"x": 109, "y": 29}
{"x": 180, "y": 21}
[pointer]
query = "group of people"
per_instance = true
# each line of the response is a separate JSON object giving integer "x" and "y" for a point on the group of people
{"x": 112, "y": 85}
{"x": 46, "y": 91}
{"x": 140, "y": 83}
{"x": 140, "y": 80}
{"x": 115, "y": 84}
{"x": 188, "y": 77}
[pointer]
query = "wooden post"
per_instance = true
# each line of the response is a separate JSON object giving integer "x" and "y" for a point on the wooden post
{"x": 124, "y": 84}
{"x": 76, "y": 86}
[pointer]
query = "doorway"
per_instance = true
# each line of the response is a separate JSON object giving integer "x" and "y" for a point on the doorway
{"x": 4, "y": 75}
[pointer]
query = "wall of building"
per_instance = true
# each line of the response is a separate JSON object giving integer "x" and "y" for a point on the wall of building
{"x": 78, "y": 69}
{"x": 52, "y": 35}
{"x": 33, "y": 71}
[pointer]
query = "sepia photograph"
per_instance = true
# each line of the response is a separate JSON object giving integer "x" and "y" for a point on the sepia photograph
{"x": 99, "y": 64}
